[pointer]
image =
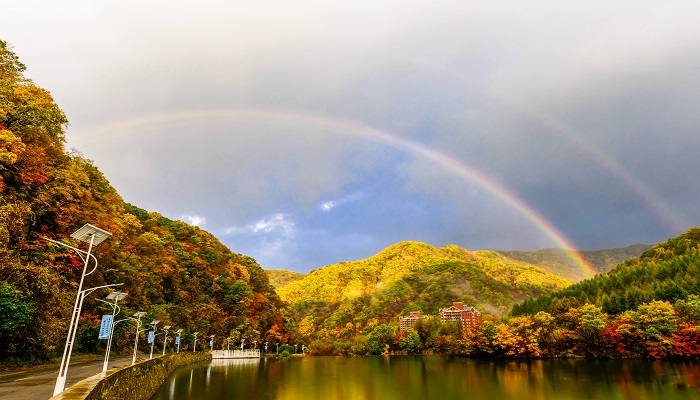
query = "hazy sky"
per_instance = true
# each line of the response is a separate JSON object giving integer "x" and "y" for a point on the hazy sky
{"x": 305, "y": 133}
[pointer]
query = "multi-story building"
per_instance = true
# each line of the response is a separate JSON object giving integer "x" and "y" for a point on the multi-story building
{"x": 468, "y": 316}
{"x": 410, "y": 320}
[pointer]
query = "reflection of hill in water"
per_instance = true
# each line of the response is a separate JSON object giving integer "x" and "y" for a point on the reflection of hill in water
{"x": 432, "y": 377}
{"x": 227, "y": 362}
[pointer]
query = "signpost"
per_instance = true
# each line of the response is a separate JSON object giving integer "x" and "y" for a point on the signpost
{"x": 105, "y": 327}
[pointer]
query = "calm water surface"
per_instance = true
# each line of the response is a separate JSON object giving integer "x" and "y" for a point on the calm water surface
{"x": 432, "y": 377}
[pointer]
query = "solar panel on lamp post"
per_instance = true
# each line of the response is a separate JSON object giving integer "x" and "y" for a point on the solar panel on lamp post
{"x": 94, "y": 236}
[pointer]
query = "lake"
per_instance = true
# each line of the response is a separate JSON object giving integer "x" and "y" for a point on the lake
{"x": 432, "y": 377}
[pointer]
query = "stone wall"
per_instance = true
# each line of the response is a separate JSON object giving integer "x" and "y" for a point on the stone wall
{"x": 134, "y": 382}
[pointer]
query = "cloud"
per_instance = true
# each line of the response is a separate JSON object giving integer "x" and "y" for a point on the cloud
{"x": 270, "y": 240}
{"x": 329, "y": 205}
{"x": 195, "y": 220}
{"x": 276, "y": 224}
{"x": 531, "y": 95}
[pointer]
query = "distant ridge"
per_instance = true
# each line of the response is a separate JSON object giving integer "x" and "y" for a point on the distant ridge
{"x": 281, "y": 277}
{"x": 339, "y": 301}
{"x": 557, "y": 262}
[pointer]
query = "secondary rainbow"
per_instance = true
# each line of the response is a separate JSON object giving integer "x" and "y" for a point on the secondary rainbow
{"x": 338, "y": 126}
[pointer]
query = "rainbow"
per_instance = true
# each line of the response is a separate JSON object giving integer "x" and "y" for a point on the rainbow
{"x": 672, "y": 218}
{"x": 362, "y": 131}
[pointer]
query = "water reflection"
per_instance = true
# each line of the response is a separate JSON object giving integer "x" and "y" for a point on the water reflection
{"x": 427, "y": 377}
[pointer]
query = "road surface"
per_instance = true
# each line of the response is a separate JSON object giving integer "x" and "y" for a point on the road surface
{"x": 38, "y": 383}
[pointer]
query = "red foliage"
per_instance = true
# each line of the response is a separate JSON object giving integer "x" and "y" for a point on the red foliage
{"x": 686, "y": 341}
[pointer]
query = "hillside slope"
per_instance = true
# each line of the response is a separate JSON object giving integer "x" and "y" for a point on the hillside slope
{"x": 342, "y": 300}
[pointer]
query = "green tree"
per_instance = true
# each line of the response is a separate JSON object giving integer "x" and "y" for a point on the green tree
{"x": 16, "y": 314}
{"x": 410, "y": 343}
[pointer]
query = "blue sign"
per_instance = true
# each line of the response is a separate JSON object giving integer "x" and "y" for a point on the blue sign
{"x": 177, "y": 340}
{"x": 211, "y": 343}
{"x": 105, "y": 327}
{"x": 151, "y": 335}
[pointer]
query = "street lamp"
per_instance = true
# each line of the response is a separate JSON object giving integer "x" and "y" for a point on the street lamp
{"x": 165, "y": 340}
{"x": 94, "y": 236}
{"x": 116, "y": 296}
{"x": 194, "y": 348}
{"x": 278, "y": 348}
{"x": 177, "y": 339}
{"x": 211, "y": 341}
{"x": 255, "y": 345}
{"x": 265, "y": 347}
{"x": 153, "y": 338}
{"x": 242, "y": 341}
{"x": 228, "y": 343}
{"x": 138, "y": 316}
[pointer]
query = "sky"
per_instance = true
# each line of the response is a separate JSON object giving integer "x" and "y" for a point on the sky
{"x": 306, "y": 133}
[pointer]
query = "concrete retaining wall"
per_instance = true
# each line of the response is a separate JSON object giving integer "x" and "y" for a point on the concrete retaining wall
{"x": 134, "y": 382}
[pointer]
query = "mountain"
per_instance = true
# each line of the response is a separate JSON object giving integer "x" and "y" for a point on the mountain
{"x": 280, "y": 277}
{"x": 340, "y": 301}
{"x": 668, "y": 271}
{"x": 176, "y": 273}
{"x": 558, "y": 262}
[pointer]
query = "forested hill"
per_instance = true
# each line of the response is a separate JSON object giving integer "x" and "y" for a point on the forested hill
{"x": 341, "y": 301}
{"x": 668, "y": 271}
{"x": 175, "y": 272}
{"x": 558, "y": 262}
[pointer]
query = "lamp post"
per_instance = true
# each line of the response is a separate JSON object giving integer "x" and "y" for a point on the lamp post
{"x": 265, "y": 347}
{"x": 138, "y": 316}
{"x": 228, "y": 343}
{"x": 153, "y": 339}
{"x": 194, "y": 348}
{"x": 94, "y": 236}
{"x": 295, "y": 348}
{"x": 255, "y": 345}
{"x": 242, "y": 342}
{"x": 177, "y": 339}
{"x": 278, "y": 348}
{"x": 211, "y": 341}
{"x": 165, "y": 340}
{"x": 116, "y": 296}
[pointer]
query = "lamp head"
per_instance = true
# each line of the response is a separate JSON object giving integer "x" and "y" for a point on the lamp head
{"x": 116, "y": 296}
{"x": 89, "y": 231}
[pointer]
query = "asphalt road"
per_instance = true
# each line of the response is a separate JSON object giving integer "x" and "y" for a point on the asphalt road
{"x": 38, "y": 383}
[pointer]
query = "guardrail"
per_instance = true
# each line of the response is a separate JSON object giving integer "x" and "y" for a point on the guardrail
{"x": 221, "y": 354}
